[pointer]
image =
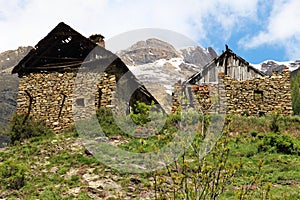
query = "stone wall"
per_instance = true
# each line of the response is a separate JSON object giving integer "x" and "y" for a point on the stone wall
{"x": 50, "y": 96}
{"x": 209, "y": 98}
{"x": 255, "y": 97}
{"x": 200, "y": 98}
{"x": 259, "y": 96}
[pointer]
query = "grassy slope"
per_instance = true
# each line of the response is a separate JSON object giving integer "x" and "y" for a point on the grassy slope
{"x": 281, "y": 171}
{"x": 58, "y": 168}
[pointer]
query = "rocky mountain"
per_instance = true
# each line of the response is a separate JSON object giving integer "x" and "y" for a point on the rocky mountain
{"x": 10, "y": 58}
{"x": 159, "y": 65}
{"x": 148, "y": 51}
{"x": 270, "y": 65}
{"x": 153, "y": 50}
{"x": 197, "y": 55}
{"x": 8, "y": 82}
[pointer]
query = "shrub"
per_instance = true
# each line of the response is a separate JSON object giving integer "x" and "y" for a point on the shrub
{"x": 12, "y": 175}
{"x": 140, "y": 114}
{"x": 253, "y": 133}
{"x": 192, "y": 176}
{"x": 24, "y": 127}
{"x": 280, "y": 143}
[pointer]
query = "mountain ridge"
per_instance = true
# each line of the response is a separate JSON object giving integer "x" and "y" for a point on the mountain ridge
{"x": 158, "y": 65}
{"x": 268, "y": 66}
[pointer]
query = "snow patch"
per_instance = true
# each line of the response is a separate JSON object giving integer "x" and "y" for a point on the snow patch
{"x": 190, "y": 49}
{"x": 176, "y": 62}
{"x": 292, "y": 65}
{"x": 257, "y": 66}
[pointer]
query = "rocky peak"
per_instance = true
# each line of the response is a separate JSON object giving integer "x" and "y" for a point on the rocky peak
{"x": 270, "y": 66}
{"x": 197, "y": 55}
{"x": 148, "y": 51}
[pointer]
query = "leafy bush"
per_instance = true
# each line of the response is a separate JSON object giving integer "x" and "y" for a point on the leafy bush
{"x": 24, "y": 127}
{"x": 280, "y": 143}
{"x": 195, "y": 177}
{"x": 12, "y": 175}
{"x": 140, "y": 114}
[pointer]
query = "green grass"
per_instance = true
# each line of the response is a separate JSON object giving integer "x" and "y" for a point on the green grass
{"x": 56, "y": 164}
{"x": 281, "y": 171}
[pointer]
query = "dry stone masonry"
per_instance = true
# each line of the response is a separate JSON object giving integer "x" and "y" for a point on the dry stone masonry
{"x": 259, "y": 96}
{"x": 50, "y": 96}
{"x": 253, "y": 97}
{"x": 230, "y": 84}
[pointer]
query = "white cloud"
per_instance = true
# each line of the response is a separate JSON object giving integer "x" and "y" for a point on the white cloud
{"x": 25, "y": 22}
{"x": 283, "y": 29}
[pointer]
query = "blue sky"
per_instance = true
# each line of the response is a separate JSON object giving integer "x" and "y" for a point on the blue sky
{"x": 257, "y": 30}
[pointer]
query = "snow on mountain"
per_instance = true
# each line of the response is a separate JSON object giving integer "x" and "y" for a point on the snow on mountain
{"x": 269, "y": 66}
{"x": 158, "y": 65}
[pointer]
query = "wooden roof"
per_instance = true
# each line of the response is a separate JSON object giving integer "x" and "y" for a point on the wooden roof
{"x": 219, "y": 61}
{"x": 63, "y": 46}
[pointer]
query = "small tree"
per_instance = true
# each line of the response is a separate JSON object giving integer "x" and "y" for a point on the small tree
{"x": 194, "y": 177}
{"x": 23, "y": 127}
{"x": 140, "y": 113}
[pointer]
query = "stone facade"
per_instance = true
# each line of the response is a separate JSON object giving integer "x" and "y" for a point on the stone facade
{"x": 50, "y": 96}
{"x": 259, "y": 96}
{"x": 200, "y": 97}
{"x": 255, "y": 97}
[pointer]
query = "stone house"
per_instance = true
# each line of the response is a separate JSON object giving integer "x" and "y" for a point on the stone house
{"x": 229, "y": 84}
{"x": 50, "y": 86}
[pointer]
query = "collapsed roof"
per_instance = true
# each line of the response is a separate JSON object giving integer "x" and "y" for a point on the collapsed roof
{"x": 64, "y": 49}
{"x": 223, "y": 60}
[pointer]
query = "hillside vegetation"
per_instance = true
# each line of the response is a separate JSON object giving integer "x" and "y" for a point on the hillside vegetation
{"x": 256, "y": 158}
{"x": 295, "y": 87}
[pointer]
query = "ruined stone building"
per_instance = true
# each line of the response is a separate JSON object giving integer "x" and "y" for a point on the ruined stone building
{"x": 229, "y": 84}
{"x": 50, "y": 86}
